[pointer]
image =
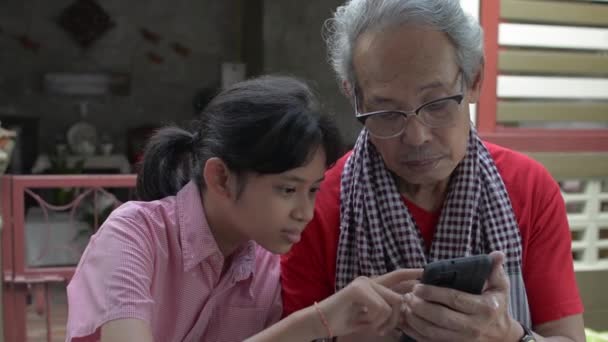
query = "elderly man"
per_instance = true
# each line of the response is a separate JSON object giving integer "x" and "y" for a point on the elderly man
{"x": 420, "y": 186}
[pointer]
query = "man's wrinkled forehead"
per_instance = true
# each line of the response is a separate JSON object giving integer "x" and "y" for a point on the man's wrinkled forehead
{"x": 416, "y": 56}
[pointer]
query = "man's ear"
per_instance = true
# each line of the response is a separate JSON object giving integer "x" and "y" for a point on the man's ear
{"x": 347, "y": 89}
{"x": 475, "y": 88}
{"x": 218, "y": 178}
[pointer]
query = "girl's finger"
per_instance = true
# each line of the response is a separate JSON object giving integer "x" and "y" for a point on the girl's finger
{"x": 405, "y": 286}
{"x": 390, "y": 297}
{"x": 393, "y": 320}
{"x": 390, "y": 314}
{"x": 393, "y": 278}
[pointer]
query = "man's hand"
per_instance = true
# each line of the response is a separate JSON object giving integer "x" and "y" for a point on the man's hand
{"x": 434, "y": 313}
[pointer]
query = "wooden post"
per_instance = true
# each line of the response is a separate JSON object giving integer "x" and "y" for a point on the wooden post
{"x": 486, "y": 111}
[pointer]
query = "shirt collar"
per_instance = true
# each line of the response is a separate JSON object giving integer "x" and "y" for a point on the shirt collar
{"x": 195, "y": 236}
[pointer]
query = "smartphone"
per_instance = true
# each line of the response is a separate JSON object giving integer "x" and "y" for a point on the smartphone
{"x": 467, "y": 274}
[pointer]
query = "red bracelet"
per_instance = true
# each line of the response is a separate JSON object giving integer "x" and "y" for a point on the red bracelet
{"x": 324, "y": 320}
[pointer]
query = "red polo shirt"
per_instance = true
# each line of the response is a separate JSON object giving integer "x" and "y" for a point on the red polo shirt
{"x": 308, "y": 270}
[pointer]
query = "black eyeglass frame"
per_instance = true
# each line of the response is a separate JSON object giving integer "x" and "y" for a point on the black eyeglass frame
{"x": 362, "y": 117}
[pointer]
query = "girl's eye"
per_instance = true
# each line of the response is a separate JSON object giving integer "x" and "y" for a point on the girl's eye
{"x": 286, "y": 190}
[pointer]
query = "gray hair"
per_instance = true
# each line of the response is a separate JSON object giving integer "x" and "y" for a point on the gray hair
{"x": 356, "y": 17}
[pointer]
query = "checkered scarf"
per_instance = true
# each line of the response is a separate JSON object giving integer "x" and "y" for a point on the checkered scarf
{"x": 378, "y": 234}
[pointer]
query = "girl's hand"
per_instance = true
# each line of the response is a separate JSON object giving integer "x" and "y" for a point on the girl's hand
{"x": 368, "y": 304}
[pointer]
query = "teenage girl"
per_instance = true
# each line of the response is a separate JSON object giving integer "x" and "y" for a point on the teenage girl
{"x": 197, "y": 258}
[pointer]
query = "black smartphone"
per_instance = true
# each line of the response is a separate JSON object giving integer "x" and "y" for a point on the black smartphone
{"x": 467, "y": 274}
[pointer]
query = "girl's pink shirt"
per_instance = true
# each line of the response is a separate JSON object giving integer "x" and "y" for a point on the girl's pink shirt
{"x": 158, "y": 262}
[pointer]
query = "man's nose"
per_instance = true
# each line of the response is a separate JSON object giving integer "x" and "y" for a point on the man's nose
{"x": 415, "y": 132}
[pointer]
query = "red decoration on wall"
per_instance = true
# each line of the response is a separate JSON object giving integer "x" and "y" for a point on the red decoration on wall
{"x": 28, "y": 43}
{"x": 150, "y": 36}
{"x": 155, "y": 58}
{"x": 181, "y": 49}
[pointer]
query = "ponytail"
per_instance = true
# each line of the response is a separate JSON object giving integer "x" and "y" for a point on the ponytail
{"x": 265, "y": 125}
{"x": 167, "y": 164}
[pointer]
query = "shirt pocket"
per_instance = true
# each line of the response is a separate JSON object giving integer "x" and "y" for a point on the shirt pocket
{"x": 232, "y": 324}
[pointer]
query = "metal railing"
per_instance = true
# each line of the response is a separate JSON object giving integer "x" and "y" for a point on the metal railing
{"x": 47, "y": 223}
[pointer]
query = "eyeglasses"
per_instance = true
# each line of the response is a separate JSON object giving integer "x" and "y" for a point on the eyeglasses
{"x": 386, "y": 124}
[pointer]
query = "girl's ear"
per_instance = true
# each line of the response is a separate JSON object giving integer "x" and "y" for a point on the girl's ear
{"x": 218, "y": 178}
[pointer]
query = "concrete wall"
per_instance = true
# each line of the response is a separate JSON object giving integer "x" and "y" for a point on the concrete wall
{"x": 160, "y": 92}
{"x": 293, "y": 45}
{"x": 290, "y": 42}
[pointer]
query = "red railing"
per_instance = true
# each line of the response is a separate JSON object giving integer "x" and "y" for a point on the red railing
{"x": 21, "y": 194}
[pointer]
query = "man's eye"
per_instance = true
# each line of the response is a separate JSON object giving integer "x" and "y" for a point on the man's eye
{"x": 391, "y": 116}
{"x": 434, "y": 107}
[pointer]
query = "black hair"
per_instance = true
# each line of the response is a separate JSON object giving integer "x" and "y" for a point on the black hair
{"x": 265, "y": 125}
